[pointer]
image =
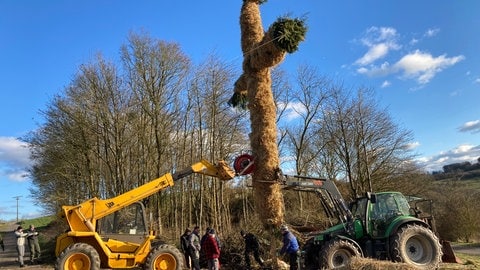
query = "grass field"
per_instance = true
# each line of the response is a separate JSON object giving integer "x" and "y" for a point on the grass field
{"x": 37, "y": 222}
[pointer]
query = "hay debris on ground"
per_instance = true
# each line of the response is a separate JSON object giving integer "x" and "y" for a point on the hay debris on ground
{"x": 371, "y": 264}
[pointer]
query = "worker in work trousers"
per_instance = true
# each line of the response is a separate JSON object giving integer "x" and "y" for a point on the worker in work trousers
{"x": 184, "y": 243}
{"x": 194, "y": 247}
{"x": 290, "y": 247}
{"x": 20, "y": 244}
{"x": 33, "y": 244}
{"x": 251, "y": 246}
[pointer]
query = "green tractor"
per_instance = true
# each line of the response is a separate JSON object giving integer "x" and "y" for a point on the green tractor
{"x": 384, "y": 225}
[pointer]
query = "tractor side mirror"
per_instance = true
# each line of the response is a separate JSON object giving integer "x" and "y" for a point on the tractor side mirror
{"x": 372, "y": 197}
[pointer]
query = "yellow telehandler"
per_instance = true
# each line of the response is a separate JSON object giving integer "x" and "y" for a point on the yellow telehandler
{"x": 113, "y": 233}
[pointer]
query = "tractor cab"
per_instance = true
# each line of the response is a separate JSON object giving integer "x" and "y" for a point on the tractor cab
{"x": 377, "y": 211}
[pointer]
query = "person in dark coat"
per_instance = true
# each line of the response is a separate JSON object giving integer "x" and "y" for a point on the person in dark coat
{"x": 251, "y": 246}
{"x": 1, "y": 242}
{"x": 184, "y": 246}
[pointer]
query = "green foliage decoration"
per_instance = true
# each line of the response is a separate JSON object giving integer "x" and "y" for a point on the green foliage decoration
{"x": 238, "y": 99}
{"x": 288, "y": 33}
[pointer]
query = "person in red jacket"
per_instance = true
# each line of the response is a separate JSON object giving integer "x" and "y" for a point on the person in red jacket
{"x": 212, "y": 251}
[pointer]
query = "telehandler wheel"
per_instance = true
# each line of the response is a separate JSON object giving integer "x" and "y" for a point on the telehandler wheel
{"x": 337, "y": 254}
{"x": 418, "y": 246}
{"x": 164, "y": 257}
{"x": 78, "y": 256}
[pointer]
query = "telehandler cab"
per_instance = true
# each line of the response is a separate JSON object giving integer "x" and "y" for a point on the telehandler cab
{"x": 113, "y": 233}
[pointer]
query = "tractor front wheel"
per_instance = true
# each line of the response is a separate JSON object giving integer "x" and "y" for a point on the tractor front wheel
{"x": 338, "y": 254}
{"x": 164, "y": 257}
{"x": 418, "y": 246}
{"x": 79, "y": 256}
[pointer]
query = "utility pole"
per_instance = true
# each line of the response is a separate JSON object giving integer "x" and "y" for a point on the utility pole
{"x": 18, "y": 198}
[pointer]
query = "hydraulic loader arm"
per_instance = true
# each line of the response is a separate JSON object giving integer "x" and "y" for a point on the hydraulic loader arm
{"x": 305, "y": 183}
{"x": 331, "y": 198}
{"x": 83, "y": 217}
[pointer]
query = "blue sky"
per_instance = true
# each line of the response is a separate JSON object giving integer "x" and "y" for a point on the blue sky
{"x": 421, "y": 58}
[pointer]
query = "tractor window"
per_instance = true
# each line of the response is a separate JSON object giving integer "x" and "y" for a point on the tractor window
{"x": 358, "y": 208}
{"x": 128, "y": 220}
{"x": 390, "y": 205}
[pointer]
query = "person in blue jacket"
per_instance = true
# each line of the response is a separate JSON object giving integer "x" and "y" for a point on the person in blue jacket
{"x": 290, "y": 246}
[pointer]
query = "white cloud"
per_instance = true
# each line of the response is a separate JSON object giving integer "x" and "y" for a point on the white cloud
{"x": 455, "y": 93}
{"x": 413, "y": 145}
{"x": 14, "y": 158}
{"x": 432, "y": 32}
{"x": 385, "y": 84}
{"x": 470, "y": 126}
{"x": 417, "y": 65}
{"x": 293, "y": 110}
{"x": 477, "y": 80}
{"x": 375, "y": 52}
{"x": 377, "y": 71}
{"x": 423, "y": 66}
{"x": 379, "y": 40}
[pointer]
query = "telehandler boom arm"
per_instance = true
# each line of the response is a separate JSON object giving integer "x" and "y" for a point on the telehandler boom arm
{"x": 83, "y": 217}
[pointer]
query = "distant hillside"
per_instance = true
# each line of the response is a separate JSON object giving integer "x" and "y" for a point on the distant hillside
{"x": 459, "y": 171}
{"x": 37, "y": 222}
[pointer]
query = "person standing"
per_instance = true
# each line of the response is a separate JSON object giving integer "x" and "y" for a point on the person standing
{"x": 1, "y": 242}
{"x": 251, "y": 246}
{"x": 290, "y": 246}
{"x": 203, "y": 258}
{"x": 194, "y": 247}
{"x": 184, "y": 243}
{"x": 33, "y": 244}
{"x": 20, "y": 244}
{"x": 212, "y": 251}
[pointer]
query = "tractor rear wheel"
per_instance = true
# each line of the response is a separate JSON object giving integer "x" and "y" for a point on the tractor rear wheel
{"x": 79, "y": 256}
{"x": 338, "y": 254}
{"x": 418, "y": 246}
{"x": 164, "y": 257}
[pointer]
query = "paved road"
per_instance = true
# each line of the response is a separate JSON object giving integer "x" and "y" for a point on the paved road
{"x": 9, "y": 256}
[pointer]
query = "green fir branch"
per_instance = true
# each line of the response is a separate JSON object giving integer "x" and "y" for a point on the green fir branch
{"x": 288, "y": 33}
{"x": 238, "y": 100}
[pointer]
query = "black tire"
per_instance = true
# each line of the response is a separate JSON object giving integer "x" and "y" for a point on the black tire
{"x": 164, "y": 257}
{"x": 338, "y": 254}
{"x": 78, "y": 256}
{"x": 310, "y": 255}
{"x": 418, "y": 246}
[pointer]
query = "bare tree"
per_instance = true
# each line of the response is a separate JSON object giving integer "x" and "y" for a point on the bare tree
{"x": 216, "y": 130}
{"x": 156, "y": 74}
{"x": 369, "y": 146}
{"x": 85, "y": 131}
{"x": 306, "y": 106}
